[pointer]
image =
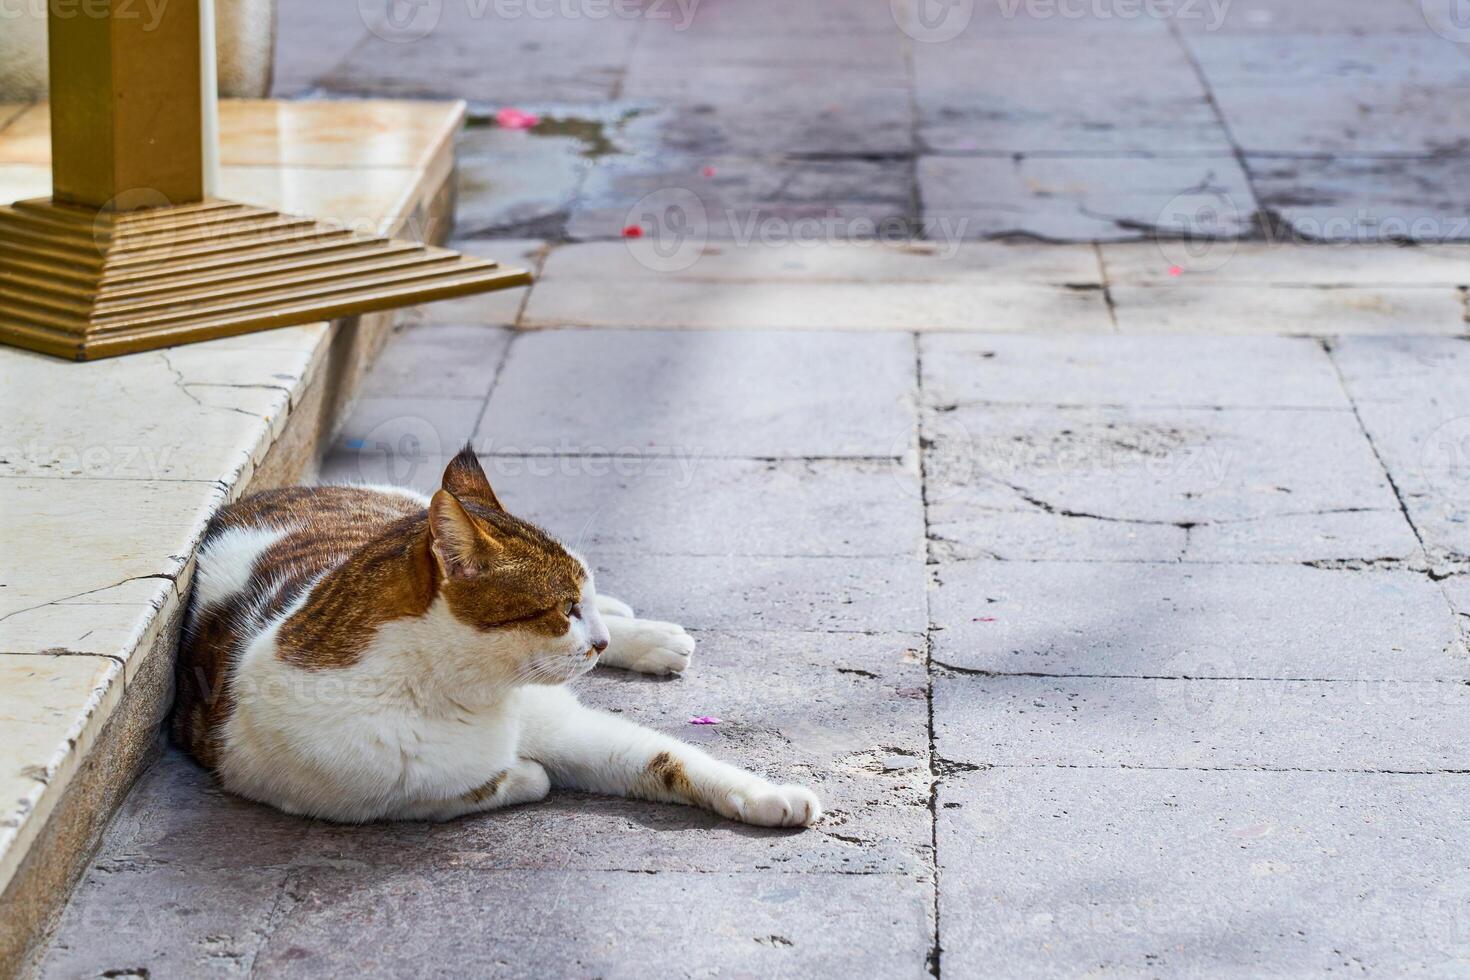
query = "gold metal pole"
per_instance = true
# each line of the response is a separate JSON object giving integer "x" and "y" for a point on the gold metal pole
{"x": 129, "y": 254}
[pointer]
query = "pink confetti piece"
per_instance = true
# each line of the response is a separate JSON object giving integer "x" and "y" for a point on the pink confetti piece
{"x": 509, "y": 118}
{"x": 1175, "y": 270}
{"x": 704, "y": 720}
{"x": 708, "y": 171}
{"x": 632, "y": 231}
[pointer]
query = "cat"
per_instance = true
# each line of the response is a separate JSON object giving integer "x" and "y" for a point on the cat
{"x": 363, "y": 653}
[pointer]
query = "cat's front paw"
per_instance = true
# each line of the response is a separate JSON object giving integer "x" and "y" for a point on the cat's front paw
{"x": 776, "y": 806}
{"x": 525, "y": 782}
{"x": 648, "y": 646}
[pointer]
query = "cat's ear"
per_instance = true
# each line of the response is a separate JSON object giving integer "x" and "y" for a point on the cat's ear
{"x": 465, "y": 478}
{"x": 462, "y": 548}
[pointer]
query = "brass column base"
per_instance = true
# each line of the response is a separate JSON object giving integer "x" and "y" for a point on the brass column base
{"x": 84, "y": 284}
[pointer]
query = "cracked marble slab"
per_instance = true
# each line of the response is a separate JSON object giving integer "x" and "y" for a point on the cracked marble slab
{"x": 1135, "y": 483}
{"x": 1087, "y": 199}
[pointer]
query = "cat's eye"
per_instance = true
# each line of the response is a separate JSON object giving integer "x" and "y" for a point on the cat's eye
{"x": 572, "y": 610}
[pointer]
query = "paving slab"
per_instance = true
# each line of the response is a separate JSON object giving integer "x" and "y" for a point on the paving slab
{"x": 861, "y": 595}
{"x": 1286, "y": 264}
{"x": 1301, "y": 17}
{"x": 409, "y": 429}
{"x": 1415, "y": 409}
{"x": 968, "y": 100}
{"x": 1193, "y": 620}
{"x": 1201, "y": 874}
{"x": 800, "y": 108}
{"x": 704, "y": 190}
{"x": 1288, "y": 310}
{"x": 852, "y": 261}
{"x": 169, "y": 920}
{"x": 611, "y": 924}
{"x": 466, "y": 51}
{"x": 1088, "y": 199}
{"x": 498, "y": 308}
{"x": 437, "y": 361}
{"x": 1150, "y": 475}
{"x": 762, "y": 394}
{"x": 1346, "y": 199}
{"x": 1169, "y": 723}
{"x": 1145, "y": 372}
{"x": 836, "y": 713}
{"x": 1338, "y": 94}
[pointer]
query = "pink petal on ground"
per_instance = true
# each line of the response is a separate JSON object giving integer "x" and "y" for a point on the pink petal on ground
{"x": 983, "y": 619}
{"x": 509, "y": 118}
{"x": 703, "y": 720}
{"x": 632, "y": 231}
{"x": 708, "y": 171}
{"x": 1175, "y": 270}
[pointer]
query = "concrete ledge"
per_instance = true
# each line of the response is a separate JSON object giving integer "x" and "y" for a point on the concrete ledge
{"x": 110, "y": 471}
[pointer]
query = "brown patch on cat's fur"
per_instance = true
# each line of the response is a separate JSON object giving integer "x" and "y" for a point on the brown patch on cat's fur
{"x": 372, "y": 557}
{"x": 486, "y": 789}
{"x": 666, "y": 774}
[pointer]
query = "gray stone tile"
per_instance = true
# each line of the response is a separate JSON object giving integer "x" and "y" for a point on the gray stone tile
{"x": 1286, "y": 264}
{"x": 756, "y": 18}
{"x": 692, "y": 506}
{"x": 437, "y": 361}
{"x": 1231, "y": 309}
{"x": 454, "y": 923}
{"x": 468, "y": 52}
{"x": 756, "y": 593}
{"x": 1352, "y": 536}
{"x": 1274, "y": 18}
{"x": 866, "y": 306}
{"x": 415, "y": 429}
{"x": 1389, "y": 726}
{"x": 852, "y": 263}
{"x": 990, "y": 19}
{"x": 720, "y": 109}
{"x": 176, "y": 815}
{"x": 167, "y": 921}
{"x": 1366, "y": 199}
{"x": 311, "y": 38}
{"x": 844, "y": 715}
{"x": 1338, "y": 94}
{"x": 1414, "y": 404}
{"x": 969, "y": 100}
{"x": 1158, "y": 620}
{"x": 818, "y": 52}
{"x": 1090, "y": 199}
{"x": 745, "y": 198}
{"x": 1201, "y": 873}
{"x": 1151, "y": 372}
{"x": 760, "y": 394}
{"x": 1146, "y": 473}
{"x": 516, "y": 179}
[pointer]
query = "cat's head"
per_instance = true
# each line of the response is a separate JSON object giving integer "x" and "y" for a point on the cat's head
{"x": 511, "y": 582}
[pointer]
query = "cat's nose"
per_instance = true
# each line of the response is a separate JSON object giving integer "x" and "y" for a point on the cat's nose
{"x": 599, "y": 644}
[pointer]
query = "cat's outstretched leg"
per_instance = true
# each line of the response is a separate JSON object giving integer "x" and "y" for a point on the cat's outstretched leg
{"x": 523, "y": 782}
{"x": 609, "y": 606}
{"x": 584, "y": 748}
{"x": 648, "y": 646}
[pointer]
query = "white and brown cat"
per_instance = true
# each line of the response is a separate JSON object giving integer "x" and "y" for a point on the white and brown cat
{"x": 361, "y": 653}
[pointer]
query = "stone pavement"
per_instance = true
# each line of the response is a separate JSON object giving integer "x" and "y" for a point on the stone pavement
{"x": 1297, "y": 120}
{"x": 1143, "y": 655}
{"x": 1114, "y": 596}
